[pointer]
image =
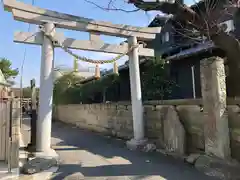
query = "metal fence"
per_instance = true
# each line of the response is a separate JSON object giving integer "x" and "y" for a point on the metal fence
{"x": 9, "y": 131}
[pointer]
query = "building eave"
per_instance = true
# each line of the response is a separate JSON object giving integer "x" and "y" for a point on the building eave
{"x": 192, "y": 51}
{"x": 110, "y": 71}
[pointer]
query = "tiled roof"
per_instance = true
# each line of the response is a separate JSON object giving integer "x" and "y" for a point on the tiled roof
{"x": 198, "y": 49}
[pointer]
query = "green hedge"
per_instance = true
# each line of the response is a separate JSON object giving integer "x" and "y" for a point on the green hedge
{"x": 155, "y": 80}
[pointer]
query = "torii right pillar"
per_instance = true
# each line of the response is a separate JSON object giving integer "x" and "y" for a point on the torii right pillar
{"x": 214, "y": 97}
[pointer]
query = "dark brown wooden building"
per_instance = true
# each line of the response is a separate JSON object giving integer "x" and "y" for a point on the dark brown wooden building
{"x": 184, "y": 48}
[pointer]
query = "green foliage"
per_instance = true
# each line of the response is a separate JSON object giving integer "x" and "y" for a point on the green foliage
{"x": 8, "y": 72}
{"x": 89, "y": 90}
{"x": 65, "y": 86}
{"x": 155, "y": 79}
{"x": 68, "y": 89}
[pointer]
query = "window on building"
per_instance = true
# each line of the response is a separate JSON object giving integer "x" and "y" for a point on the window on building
{"x": 228, "y": 25}
{"x": 165, "y": 37}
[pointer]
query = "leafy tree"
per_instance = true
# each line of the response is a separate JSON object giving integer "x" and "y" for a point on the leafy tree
{"x": 8, "y": 72}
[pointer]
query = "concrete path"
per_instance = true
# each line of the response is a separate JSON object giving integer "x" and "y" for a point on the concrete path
{"x": 87, "y": 155}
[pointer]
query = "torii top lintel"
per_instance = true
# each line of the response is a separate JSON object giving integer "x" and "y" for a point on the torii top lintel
{"x": 35, "y": 15}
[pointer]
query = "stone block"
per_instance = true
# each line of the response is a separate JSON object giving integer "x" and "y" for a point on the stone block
{"x": 38, "y": 164}
{"x": 117, "y": 120}
{"x": 152, "y": 114}
{"x": 121, "y": 107}
{"x": 235, "y": 149}
{"x": 191, "y": 115}
{"x": 218, "y": 168}
{"x": 235, "y": 134}
{"x": 235, "y": 143}
{"x": 124, "y": 113}
{"x": 163, "y": 110}
{"x": 136, "y": 145}
{"x": 148, "y": 108}
{"x": 124, "y": 134}
{"x": 192, "y": 158}
{"x": 111, "y": 113}
{"x": 213, "y": 86}
{"x": 195, "y": 142}
{"x": 234, "y": 116}
{"x": 174, "y": 132}
{"x": 150, "y": 124}
{"x": 153, "y": 134}
{"x": 129, "y": 108}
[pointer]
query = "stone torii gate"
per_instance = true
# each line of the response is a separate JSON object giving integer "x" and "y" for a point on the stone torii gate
{"x": 51, "y": 20}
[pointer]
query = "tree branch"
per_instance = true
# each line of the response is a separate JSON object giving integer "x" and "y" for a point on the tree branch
{"x": 181, "y": 12}
{"x": 164, "y": 6}
{"x": 109, "y": 8}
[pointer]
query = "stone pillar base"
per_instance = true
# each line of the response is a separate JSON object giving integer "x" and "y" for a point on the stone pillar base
{"x": 47, "y": 154}
{"x": 30, "y": 147}
{"x": 134, "y": 144}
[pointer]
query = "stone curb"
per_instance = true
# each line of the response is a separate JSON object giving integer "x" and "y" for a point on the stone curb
{"x": 209, "y": 165}
{"x": 214, "y": 166}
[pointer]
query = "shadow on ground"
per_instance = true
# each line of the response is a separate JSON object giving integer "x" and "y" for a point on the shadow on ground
{"x": 71, "y": 140}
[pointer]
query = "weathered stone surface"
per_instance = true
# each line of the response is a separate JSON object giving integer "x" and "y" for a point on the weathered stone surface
{"x": 192, "y": 118}
{"x": 136, "y": 145}
{"x": 174, "y": 132}
{"x": 191, "y": 159}
{"x": 216, "y": 129}
{"x": 172, "y": 154}
{"x": 234, "y": 116}
{"x": 219, "y": 168}
{"x": 117, "y": 121}
{"x": 37, "y": 165}
{"x": 149, "y": 147}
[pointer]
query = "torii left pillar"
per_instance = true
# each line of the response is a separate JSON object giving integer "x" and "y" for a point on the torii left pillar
{"x": 136, "y": 97}
{"x": 44, "y": 122}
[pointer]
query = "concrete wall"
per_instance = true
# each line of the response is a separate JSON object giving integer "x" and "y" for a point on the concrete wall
{"x": 116, "y": 120}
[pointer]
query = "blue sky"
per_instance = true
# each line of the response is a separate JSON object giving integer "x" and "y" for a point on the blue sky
{"x": 15, "y": 52}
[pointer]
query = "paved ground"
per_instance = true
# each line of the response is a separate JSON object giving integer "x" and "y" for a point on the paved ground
{"x": 4, "y": 175}
{"x": 86, "y": 155}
